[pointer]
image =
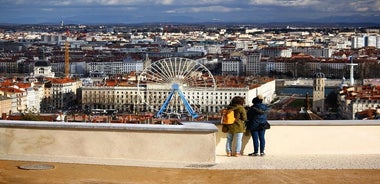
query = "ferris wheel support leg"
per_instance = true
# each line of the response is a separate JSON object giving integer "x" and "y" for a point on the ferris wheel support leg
{"x": 165, "y": 105}
{"x": 187, "y": 105}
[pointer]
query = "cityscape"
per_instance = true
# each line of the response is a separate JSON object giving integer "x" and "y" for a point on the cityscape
{"x": 129, "y": 70}
{"x": 132, "y": 91}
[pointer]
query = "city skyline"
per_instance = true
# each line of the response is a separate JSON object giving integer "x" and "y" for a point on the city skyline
{"x": 155, "y": 11}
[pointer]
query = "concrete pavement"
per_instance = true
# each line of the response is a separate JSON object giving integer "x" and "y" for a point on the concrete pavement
{"x": 364, "y": 161}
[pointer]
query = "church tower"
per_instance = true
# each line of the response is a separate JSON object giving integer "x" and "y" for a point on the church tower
{"x": 319, "y": 92}
{"x": 147, "y": 61}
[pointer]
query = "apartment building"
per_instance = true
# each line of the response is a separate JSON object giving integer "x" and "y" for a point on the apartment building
{"x": 360, "y": 41}
{"x": 232, "y": 66}
{"x": 254, "y": 66}
{"x": 276, "y": 52}
{"x": 59, "y": 94}
{"x": 318, "y": 52}
{"x": 18, "y": 96}
{"x": 355, "y": 99}
{"x": 115, "y": 67}
{"x": 6, "y": 105}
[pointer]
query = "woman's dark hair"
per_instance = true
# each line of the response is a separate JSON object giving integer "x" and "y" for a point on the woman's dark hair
{"x": 237, "y": 100}
{"x": 257, "y": 100}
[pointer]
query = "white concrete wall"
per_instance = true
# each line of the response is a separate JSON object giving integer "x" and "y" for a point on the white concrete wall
{"x": 314, "y": 137}
{"x": 194, "y": 143}
{"x": 105, "y": 143}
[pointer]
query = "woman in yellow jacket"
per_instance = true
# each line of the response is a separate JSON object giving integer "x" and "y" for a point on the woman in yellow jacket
{"x": 237, "y": 129}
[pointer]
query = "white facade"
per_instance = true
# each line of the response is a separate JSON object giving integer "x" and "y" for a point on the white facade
{"x": 354, "y": 99}
{"x": 317, "y": 52}
{"x": 213, "y": 49}
{"x": 232, "y": 67}
{"x": 32, "y": 100}
{"x": 119, "y": 67}
{"x": 52, "y": 38}
{"x": 197, "y": 48}
{"x": 245, "y": 45}
{"x": 371, "y": 41}
{"x": 349, "y": 108}
{"x": 357, "y": 42}
{"x": 276, "y": 66}
{"x": 276, "y": 52}
{"x": 44, "y": 69}
{"x": 254, "y": 64}
{"x": 59, "y": 94}
{"x": 206, "y": 100}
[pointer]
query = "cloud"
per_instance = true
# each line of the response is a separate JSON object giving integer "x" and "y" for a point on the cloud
{"x": 120, "y": 2}
{"x": 285, "y": 2}
{"x": 365, "y": 5}
{"x": 47, "y": 9}
{"x": 150, "y": 10}
{"x": 61, "y": 3}
{"x": 204, "y": 9}
{"x": 362, "y": 9}
{"x": 323, "y": 7}
{"x": 377, "y": 6}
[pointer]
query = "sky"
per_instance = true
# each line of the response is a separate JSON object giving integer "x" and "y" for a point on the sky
{"x": 188, "y": 11}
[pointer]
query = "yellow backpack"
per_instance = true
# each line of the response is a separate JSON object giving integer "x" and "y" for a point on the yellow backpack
{"x": 228, "y": 116}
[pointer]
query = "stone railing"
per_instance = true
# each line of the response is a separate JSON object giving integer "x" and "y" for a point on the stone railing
{"x": 107, "y": 143}
{"x": 315, "y": 137}
{"x": 192, "y": 142}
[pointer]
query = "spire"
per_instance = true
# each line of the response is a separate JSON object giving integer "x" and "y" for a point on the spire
{"x": 147, "y": 61}
{"x": 352, "y": 64}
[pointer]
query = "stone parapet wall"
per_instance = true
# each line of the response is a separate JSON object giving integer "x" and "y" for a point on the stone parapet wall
{"x": 192, "y": 142}
{"x": 315, "y": 137}
{"x": 105, "y": 143}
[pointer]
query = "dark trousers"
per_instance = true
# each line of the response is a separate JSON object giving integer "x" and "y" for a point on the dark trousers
{"x": 258, "y": 137}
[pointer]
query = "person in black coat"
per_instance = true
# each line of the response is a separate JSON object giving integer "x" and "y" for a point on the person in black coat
{"x": 257, "y": 117}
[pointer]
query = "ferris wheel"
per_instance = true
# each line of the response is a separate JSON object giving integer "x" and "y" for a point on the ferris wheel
{"x": 174, "y": 86}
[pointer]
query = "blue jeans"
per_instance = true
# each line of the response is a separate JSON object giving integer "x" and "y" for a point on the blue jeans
{"x": 230, "y": 138}
{"x": 258, "y": 135}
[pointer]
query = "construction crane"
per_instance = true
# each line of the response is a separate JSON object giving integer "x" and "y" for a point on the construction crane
{"x": 67, "y": 55}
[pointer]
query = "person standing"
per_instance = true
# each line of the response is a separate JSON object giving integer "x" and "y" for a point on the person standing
{"x": 257, "y": 116}
{"x": 237, "y": 129}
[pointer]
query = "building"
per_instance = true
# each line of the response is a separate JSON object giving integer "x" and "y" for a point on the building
{"x": 254, "y": 66}
{"x": 318, "y": 52}
{"x": 59, "y": 94}
{"x": 276, "y": 52}
{"x": 355, "y": 99}
{"x": 18, "y": 96}
{"x": 53, "y": 39}
{"x": 115, "y": 67}
{"x": 232, "y": 66}
{"x": 43, "y": 68}
{"x": 125, "y": 96}
{"x": 6, "y": 105}
{"x": 319, "y": 92}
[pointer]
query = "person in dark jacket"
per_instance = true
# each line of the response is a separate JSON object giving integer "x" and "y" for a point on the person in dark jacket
{"x": 237, "y": 129}
{"x": 257, "y": 116}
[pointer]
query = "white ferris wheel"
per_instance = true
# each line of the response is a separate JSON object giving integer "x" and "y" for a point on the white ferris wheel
{"x": 174, "y": 86}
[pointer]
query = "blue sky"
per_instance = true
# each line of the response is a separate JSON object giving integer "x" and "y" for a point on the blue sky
{"x": 188, "y": 11}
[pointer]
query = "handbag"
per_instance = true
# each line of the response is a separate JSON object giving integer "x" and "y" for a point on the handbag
{"x": 225, "y": 128}
{"x": 264, "y": 126}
